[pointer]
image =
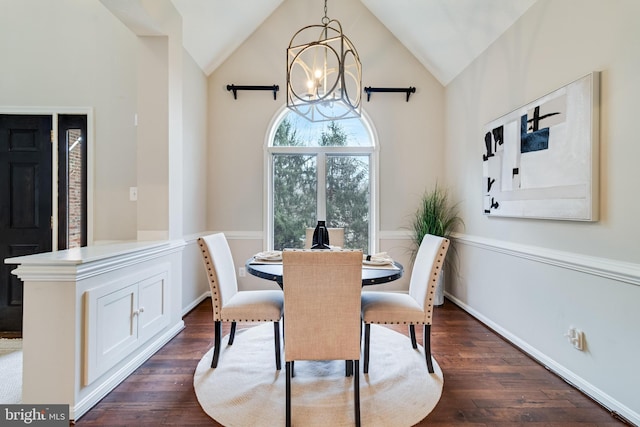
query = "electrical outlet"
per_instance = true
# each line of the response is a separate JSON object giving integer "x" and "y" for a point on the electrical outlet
{"x": 575, "y": 337}
{"x": 133, "y": 194}
{"x": 242, "y": 272}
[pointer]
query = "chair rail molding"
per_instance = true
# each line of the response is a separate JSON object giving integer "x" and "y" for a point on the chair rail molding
{"x": 604, "y": 267}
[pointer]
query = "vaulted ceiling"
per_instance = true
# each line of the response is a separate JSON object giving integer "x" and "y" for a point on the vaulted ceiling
{"x": 444, "y": 35}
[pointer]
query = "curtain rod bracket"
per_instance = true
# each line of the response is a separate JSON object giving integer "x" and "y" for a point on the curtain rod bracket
{"x": 235, "y": 89}
{"x": 370, "y": 89}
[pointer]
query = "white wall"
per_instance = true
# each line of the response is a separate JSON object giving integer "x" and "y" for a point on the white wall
{"x": 533, "y": 279}
{"x": 158, "y": 26}
{"x": 153, "y": 138}
{"x": 410, "y": 134}
{"x": 172, "y": 128}
{"x": 194, "y": 192}
{"x": 194, "y": 140}
{"x": 78, "y": 54}
{"x": 68, "y": 54}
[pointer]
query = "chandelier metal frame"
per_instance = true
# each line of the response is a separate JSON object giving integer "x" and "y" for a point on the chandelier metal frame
{"x": 324, "y": 73}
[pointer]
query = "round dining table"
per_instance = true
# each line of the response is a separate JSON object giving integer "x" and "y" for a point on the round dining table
{"x": 371, "y": 275}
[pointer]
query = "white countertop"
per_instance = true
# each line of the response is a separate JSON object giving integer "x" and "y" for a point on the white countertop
{"x": 89, "y": 254}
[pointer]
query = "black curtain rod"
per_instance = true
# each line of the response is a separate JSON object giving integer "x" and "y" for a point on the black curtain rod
{"x": 235, "y": 89}
{"x": 370, "y": 89}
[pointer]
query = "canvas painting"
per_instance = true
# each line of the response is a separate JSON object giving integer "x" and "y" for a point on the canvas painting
{"x": 541, "y": 160}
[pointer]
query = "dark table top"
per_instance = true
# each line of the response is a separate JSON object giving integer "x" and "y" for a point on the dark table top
{"x": 370, "y": 275}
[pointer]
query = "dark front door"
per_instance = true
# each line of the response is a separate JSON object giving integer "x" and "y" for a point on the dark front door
{"x": 25, "y": 203}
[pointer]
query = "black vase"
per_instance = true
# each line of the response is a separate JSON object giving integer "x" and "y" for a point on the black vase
{"x": 320, "y": 236}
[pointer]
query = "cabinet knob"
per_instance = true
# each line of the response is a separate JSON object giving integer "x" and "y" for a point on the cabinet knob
{"x": 138, "y": 311}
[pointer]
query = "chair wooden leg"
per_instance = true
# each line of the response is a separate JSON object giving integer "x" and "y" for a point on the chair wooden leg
{"x": 232, "y": 334}
{"x": 367, "y": 338}
{"x": 356, "y": 392}
{"x": 412, "y": 333}
{"x": 276, "y": 337}
{"x": 217, "y": 332}
{"x": 348, "y": 368}
{"x": 427, "y": 347}
{"x": 287, "y": 369}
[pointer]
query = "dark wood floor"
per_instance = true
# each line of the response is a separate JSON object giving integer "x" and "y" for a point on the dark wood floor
{"x": 487, "y": 382}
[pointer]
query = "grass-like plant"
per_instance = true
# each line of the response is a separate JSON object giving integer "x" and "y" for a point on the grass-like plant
{"x": 436, "y": 215}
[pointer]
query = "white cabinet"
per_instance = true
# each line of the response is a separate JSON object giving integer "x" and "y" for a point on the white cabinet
{"x": 122, "y": 315}
{"x": 95, "y": 314}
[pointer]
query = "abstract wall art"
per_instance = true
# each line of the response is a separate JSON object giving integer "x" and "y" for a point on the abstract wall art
{"x": 541, "y": 160}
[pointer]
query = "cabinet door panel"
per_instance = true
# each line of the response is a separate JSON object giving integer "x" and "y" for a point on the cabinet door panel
{"x": 121, "y": 316}
{"x": 153, "y": 306}
{"x": 117, "y": 326}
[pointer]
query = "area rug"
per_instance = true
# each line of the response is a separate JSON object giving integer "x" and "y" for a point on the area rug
{"x": 246, "y": 390}
{"x": 10, "y": 371}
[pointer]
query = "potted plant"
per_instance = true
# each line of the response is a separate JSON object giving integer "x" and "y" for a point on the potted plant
{"x": 436, "y": 215}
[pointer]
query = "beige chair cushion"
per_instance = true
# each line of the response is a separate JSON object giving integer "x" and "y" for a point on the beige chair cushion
{"x": 322, "y": 304}
{"x": 253, "y": 306}
{"x": 391, "y": 308}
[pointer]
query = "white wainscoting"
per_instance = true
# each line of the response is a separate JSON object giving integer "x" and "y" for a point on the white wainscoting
{"x": 532, "y": 295}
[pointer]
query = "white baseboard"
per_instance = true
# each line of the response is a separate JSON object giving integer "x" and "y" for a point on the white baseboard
{"x": 579, "y": 383}
{"x": 195, "y": 303}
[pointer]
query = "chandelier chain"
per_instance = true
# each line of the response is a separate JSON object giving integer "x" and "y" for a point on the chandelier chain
{"x": 325, "y": 19}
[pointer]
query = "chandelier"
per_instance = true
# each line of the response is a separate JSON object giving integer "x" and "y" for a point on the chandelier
{"x": 324, "y": 74}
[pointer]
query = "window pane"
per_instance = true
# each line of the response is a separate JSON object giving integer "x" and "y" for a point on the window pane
{"x": 297, "y": 131}
{"x": 321, "y": 171}
{"x": 348, "y": 198}
{"x": 294, "y": 199}
{"x": 74, "y": 188}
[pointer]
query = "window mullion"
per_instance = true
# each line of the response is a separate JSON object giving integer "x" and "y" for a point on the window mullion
{"x": 322, "y": 186}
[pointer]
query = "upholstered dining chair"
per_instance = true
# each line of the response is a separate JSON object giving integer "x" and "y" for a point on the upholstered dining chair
{"x": 336, "y": 237}
{"x": 414, "y": 308}
{"x": 231, "y": 305}
{"x": 322, "y": 311}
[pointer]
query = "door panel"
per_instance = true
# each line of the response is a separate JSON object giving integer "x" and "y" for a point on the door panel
{"x": 25, "y": 207}
{"x": 23, "y": 189}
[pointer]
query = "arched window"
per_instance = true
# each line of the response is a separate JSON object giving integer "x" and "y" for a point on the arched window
{"x": 321, "y": 171}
